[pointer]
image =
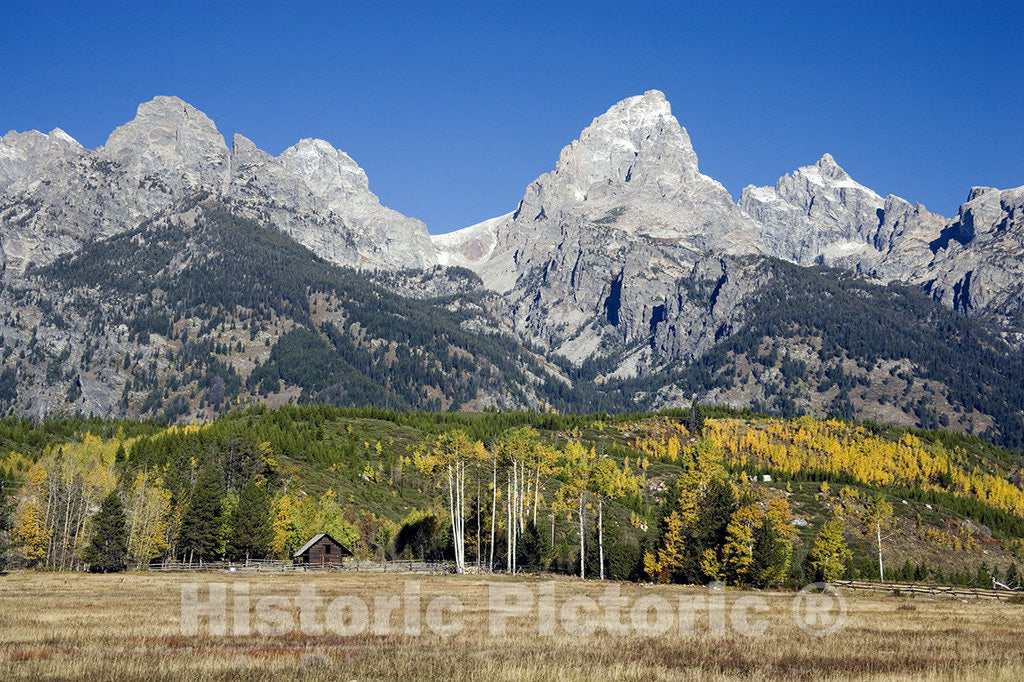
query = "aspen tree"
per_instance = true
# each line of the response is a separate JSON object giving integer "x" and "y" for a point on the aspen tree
{"x": 448, "y": 458}
{"x": 609, "y": 482}
{"x": 572, "y": 495}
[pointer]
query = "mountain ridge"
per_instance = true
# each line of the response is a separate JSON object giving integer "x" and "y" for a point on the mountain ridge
{"x": 615, "y": 276}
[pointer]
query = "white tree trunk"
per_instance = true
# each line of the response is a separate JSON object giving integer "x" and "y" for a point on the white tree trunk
{"x": 536, "y": 494}
{"x": 881, "y": 570}
{"x": 508, "y": 527}
{"x": 583, "y": 557}
{"x": 494, "y": 507}
{"x": 479, "y": 502}
{"x": 600, "y": 535}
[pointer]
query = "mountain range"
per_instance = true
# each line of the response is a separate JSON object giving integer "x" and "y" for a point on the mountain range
{"x": 168, "y": 274}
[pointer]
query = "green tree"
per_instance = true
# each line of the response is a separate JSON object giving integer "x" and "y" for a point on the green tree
{"x": 108, "y": 550}
{"x": 6, "y": 524}
{"x": 1012, "y": 576}
{"x": 200, "y": 536}
{"x": 250, "y": 530}
{"x": 695, "y": 420}
{"x": 771, "y": 554}
{"x": 984, "y": 576}
{"x": 535, "y": 552}
{"x": 715, "y": 508}
{"x": 828, "y": 555}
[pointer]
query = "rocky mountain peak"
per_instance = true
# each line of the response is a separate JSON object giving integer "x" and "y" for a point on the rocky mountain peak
{"x": 637, "y": 143}
{"x": 327, "y": 171}
{"x": 829, "y": 169}
{"x": 816, "y": 213}
{"x": 977, "y": 191}
{"x": 171, "y": 139}
{"x": 244, "y": 152}
{"x": 160, "y": 116}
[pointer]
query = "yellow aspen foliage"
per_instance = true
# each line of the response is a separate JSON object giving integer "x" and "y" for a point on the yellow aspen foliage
{"x": 833, "y": 447}
{"x": 148, "y": 515}
{"x": 284, "y": 525}
{"x": 661, "y": 565}
{"x": 29, "y": 533}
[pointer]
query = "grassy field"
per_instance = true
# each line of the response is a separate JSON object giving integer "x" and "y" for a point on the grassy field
{"x": 127, "y": 627}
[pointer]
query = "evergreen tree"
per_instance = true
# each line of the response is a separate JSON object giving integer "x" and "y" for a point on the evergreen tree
{"x": 771, "y": 555}
{"x": 200, "y": 534}
{"x": 535, "y": 550}
{"x": 1012, "y": 576}
{"x": 983, "y": 577}
{"x": 7, "y": 487}
{"x": 714, "y": 511}
{"x": 108, "y": 550}
{"x": 828, "y": 556}
{"x": 250, "y": 533}
{"x": 695, "y": 420}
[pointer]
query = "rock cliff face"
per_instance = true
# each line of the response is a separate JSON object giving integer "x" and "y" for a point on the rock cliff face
{"x": 978, "y": 257}
{"x": 596, "y": 258}
{"x": 55, "y": 195}
{"x": 592, "y": 258}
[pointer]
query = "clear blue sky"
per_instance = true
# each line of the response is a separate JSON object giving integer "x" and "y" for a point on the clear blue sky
{"x": 453, "y": 108}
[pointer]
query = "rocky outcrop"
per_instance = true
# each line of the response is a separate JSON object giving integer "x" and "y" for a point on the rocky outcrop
{"x": 591, "y": 258}
{"x": 978, "y": 263}
{"x": 55, "y": 195}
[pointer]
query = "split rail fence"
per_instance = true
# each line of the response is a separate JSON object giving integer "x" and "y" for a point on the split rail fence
{"x": 273, "y": 566}
{"x": 935, "y": 590}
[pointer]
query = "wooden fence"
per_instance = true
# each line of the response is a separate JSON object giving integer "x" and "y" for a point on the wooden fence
{"x": 277, "y": 566}
{"x": 935, "y": 590}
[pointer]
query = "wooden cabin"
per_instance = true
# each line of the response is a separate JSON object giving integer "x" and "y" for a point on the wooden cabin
{"x": 322, "y": 550}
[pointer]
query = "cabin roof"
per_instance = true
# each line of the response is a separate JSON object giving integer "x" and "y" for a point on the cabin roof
{"x": 317, "y": 538}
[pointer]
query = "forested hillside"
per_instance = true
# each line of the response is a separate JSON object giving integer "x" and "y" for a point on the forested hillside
{"x": 685, "y": 496}
{"x": 822, "y": 341}
{"x": 200, "y": 310}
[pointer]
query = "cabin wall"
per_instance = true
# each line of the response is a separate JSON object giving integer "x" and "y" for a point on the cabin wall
{"x": 323, "y": 552}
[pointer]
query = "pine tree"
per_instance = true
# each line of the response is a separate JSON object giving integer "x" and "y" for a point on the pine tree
{"x": 983, "y": 577}
{"x": 695, "y": 420}
{"x": 714, "y": 512}
{"x": 6, "y": 524}
{"x": 200, "y": 534}
{"x": 250, "y": 531}
{"x": 1012, "y": 576}
{"x": 828, "y": 556}
{"x": 535, "y": 552}
{"x": 771, "y": 555}
{"x": 108, "y": 550}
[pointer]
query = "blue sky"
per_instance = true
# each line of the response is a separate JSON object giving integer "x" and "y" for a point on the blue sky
{"x": 453, "y": 108}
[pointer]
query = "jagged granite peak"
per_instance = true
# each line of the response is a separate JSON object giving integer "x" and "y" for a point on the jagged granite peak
{"x": 244, "y": 152}
{"x": 330, "y": 208}
{"x": 24, "y": 156}
{"x": 978, "y": 261}
{"x": 634, "y": 168}
{"x": 637, "y": 144}
{"x": 593, "y": 253}
{"x": 172, "y": 139}
{"x": 56, "y": 195}
{"x": 328, "y": 172}
{"x": 817, "y": 213}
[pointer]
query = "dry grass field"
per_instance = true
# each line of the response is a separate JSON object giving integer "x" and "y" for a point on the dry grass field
{"x": 127, "y": 627}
